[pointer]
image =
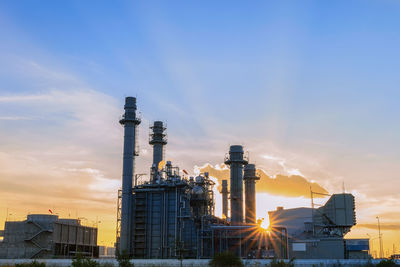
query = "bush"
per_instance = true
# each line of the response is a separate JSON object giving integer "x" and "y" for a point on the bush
{"x": 124, "y": 259}
{"x": 281, "y": 263}
{"x": 81, "y": 261}
{"x": 226, "y": 259}
{"x": 31, "y": 264}
{"x": 387, "y": 263}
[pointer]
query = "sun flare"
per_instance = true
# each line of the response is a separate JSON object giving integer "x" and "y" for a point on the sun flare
{"x": 265, "y": 224}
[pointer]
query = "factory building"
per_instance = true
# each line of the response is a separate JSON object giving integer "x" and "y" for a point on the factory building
{"x": 47, "y": 236}
{"x": 171, "y": 215}
{"x": 318, "y": 233}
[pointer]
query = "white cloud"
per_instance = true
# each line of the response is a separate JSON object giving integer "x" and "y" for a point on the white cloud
{"x": 14, "y": 118}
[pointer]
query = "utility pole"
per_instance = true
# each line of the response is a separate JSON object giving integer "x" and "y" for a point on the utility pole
{"x": 380, "y": 239}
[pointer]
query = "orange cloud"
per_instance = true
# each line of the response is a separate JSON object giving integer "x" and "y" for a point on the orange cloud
{"x": 394, "y": 227}
{"x": 290, "y": 186}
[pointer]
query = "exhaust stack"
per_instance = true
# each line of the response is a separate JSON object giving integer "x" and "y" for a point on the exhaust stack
{"x": 129, "y": 121}
{"x": 236, "y": 162}
{"x": 224, "y": 193}
{"x": 250, "y": 178}
{"x": 157, "y": 140}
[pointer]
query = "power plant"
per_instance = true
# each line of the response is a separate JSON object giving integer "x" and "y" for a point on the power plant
{"x": 172, "y": 215}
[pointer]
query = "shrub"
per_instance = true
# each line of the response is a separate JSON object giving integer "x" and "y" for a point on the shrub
{"x": 81, "y": 261}
{"x": 226, "y": 259}
{"x": 387, "y": 263}
{"x": 281, "y": 263}
{"x": 124, "y": 259}
{"x": 31, "y": 264}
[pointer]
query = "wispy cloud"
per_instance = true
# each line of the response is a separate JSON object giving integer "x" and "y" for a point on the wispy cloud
{"x": 25, "y": 98}
{"x": 14, "y": 118}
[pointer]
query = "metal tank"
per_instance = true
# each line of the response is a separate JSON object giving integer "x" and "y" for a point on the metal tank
{"x": 250, "y": 178}
{"x": 236, "y": 161}
{"x": 224, "y": 193}
{"x": 129, "y": 121}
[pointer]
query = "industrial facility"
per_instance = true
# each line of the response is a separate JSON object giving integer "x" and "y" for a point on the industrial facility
{"x": 172, "y": 214}
{"x": 47, "y": 236}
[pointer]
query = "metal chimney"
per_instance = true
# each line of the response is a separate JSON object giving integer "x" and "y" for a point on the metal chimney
{"x": 236, "y": 162}
{"x": 158, "y": 140}
{"x": 250, "y": 178}
{"x": 129, "y": 121}
{"x": 224, "y": 193}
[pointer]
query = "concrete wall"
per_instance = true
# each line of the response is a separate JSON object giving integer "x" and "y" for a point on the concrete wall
{"x": 198, "y": 263}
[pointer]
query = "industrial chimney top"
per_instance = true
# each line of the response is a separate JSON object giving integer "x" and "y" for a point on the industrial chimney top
{"x": 130, "y": 111}
{"x": 236, "y": 155}
{"x": 250, "y": 172}
{"x": 130, "y": 102}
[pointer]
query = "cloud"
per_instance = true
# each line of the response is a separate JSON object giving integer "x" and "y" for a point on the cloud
{"x": 24, "y": 98}
{"x": 290, "y": 186}
{"x": 64, "y": 153}
{"x": 14, "y": 118}
{"x": 390, "y": 227}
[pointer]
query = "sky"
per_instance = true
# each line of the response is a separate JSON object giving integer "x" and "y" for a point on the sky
{"x": 309, "y": 88}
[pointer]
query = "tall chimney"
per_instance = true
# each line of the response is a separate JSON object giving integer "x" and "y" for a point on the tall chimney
{"x": 129, "y": 121}
{"x": 158, "y": 140}
{"x": 224, "y": 193}
{"x": 236, "y": 162}
{"x": 250, "y": 178}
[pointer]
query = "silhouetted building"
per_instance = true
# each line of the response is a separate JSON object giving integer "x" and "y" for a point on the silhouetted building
{"x": 47, "y": 236}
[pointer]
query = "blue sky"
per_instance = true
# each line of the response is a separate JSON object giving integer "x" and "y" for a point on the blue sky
{"x": 313, "y": 82}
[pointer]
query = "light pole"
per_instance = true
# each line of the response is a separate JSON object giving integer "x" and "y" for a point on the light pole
{"x": 380, "y": 239}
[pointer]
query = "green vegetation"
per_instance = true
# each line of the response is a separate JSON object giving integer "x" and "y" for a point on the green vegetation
{"x": 226, "y": 259}
{"x": 387, "y": 263}
{"x": 81, "y": 261}
{"x": 31, "y": 264}
{"x": 281, "y": 263}
{"x": 124, "y": 259}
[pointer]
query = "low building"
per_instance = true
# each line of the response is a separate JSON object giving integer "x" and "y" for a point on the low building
{"x": 47, "y": 236}
{"x": 319, "y": 233}
{"x": 357, "y": 248}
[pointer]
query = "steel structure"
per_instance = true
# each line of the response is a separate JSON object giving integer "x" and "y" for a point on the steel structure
{"x": 129, "y": 120}
{"x": 236, "y": 161}
{"x": 250, "y": 179}
{"x": 224, "y": 193}
{"x": 158, "y": 140}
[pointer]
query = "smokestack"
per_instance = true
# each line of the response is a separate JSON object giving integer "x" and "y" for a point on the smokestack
{"x": 129, "y": 121}
{"x": 158, "y": 140}
{"x": 236, "y": 162}
{"x": 250, "y": 178}
{"x": 224, "y": 193}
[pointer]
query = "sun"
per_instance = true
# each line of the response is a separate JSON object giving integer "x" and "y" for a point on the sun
{"x": 264, "y": 224}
